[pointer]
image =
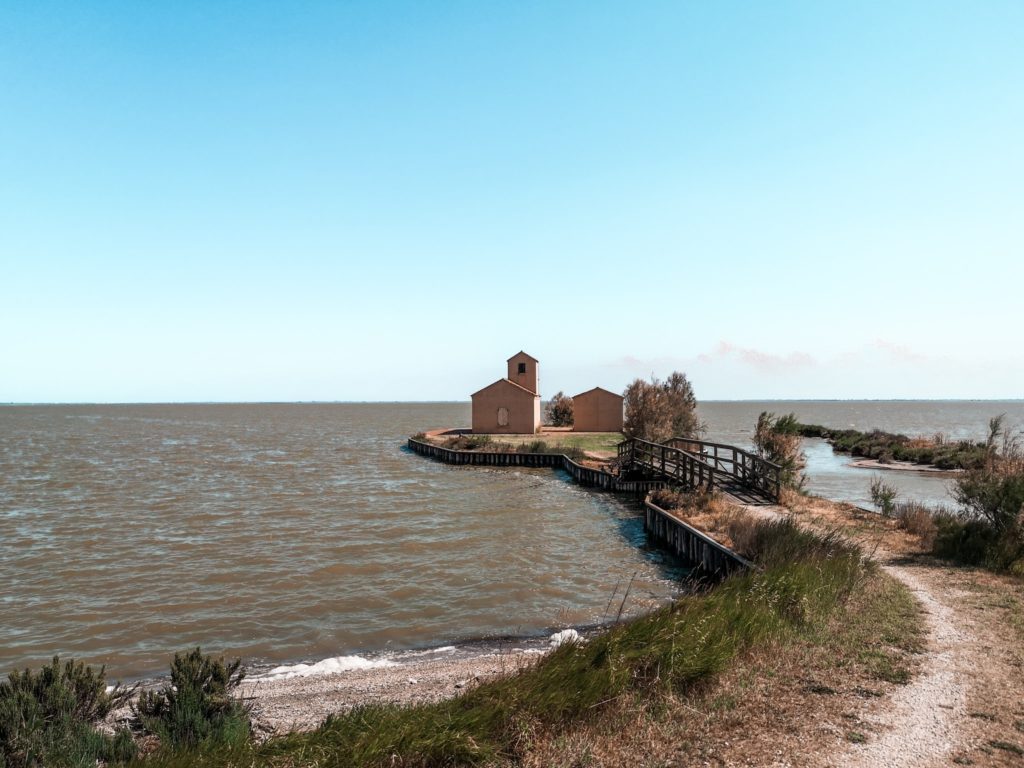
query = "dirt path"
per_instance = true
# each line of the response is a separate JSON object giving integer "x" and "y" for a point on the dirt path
{"x": 965, "y": 706}
{"x": 921, "y": 724}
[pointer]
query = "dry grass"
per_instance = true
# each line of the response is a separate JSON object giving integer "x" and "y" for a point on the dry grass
{"x": 707, "y": 512}
{"x": 757, "y": 713}
{"x": 917, "y": 520}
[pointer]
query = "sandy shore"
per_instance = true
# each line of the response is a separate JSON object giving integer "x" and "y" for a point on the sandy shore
{"x": 285, "y": 704}
{"x": 901, "y": 466}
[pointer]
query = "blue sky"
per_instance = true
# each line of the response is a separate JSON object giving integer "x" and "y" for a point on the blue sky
{"x": 381, "y": 201}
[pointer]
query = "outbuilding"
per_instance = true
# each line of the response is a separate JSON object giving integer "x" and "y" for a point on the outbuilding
{"x": 597, "y": 410}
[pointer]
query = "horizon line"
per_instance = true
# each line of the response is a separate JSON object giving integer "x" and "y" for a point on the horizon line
{"x": 16, "y": 404}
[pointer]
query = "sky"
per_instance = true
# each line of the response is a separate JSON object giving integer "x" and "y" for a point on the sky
{"x": 248, "y": 201}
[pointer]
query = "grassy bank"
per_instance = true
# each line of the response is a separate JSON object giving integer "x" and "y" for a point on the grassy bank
{"x": 674, "y": 654}
{"x": 813, "y": 596}
{"x": 572, "y": 444}
{"x": 602, "y": 442}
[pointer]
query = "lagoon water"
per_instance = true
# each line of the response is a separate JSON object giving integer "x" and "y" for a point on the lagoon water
{"x": 299, "y": 532}
{"x": 829, "y": 474}
{"x": 284, "y": 533}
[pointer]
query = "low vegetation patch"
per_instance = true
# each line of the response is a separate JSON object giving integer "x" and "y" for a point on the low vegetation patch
{"x": 574, "y": 452}
{"x": 50, "y": 718}
{"x": 571, "y": 447}
{"x": 987, "y": 526}
{"x": 471, "y": 443}
{"x": 885, "y": 447}
{"x": 198, "y": 706}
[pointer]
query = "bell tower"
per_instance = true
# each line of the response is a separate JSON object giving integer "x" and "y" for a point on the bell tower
{"x": 522, "y": 370}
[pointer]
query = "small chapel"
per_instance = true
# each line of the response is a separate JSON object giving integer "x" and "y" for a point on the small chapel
{"x": 510, "y": 406}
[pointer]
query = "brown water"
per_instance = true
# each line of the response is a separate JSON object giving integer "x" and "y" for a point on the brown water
{"x": 301, "y": 532}
{"x": 286, "y": 532}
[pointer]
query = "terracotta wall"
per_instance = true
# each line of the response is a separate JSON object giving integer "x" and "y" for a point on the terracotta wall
{"x": 530, "y": 379}
{"x": 597, "y": 411}
{"x": 521, "y": 411}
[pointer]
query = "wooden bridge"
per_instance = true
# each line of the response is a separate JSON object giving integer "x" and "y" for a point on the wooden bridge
{"x": 701, "y": 465}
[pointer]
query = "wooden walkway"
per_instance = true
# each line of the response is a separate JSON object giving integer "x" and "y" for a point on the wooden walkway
{"x": 701, "y": 465}
{"x": 588, "y": 476}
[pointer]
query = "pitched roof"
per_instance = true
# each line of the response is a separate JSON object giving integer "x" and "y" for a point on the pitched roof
{"x": 510, "y": 383}
{"x": 598, "y": 389}
{"x": 520, "y": 352}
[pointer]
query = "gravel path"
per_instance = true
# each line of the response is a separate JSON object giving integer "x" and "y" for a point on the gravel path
{"x": 965, "y": 704}
{"x": 920, "y": 724}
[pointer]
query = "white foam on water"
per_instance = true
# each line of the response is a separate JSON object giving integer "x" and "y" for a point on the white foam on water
{"x": 565, "y": 636}
{"x": 330, "y": 666}
{"x": 429, "y": 651}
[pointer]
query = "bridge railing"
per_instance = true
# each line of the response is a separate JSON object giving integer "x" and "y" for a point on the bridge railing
{"x": 682, "y": 466}
{"x": 748, "y": 468}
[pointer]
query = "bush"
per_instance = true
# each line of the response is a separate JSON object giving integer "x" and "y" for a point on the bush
{"x": 657, "y": 411}
{"x": 883, "y": 496}
{"x": 990, "y": 528}
{"x": 536, "y": 446}
{"x": 777, "y": 439}
{"x": 963, "y": 541}
{"x": 198, "y": 706}
{"x": 886, "y": 447}
{"x": 917, "y": 519}
{"x": 539, "y": 446}
{"x": 49, "y": 718}
{"x": 558, "y": 412}
{"x": 468, "y": 442}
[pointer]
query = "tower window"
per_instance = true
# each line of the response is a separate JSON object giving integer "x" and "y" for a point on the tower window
{"x": 522, "y": 368}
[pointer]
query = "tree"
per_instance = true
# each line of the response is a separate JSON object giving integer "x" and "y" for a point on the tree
{"x": 558, "y": 412}
{"x": 777, "y": 439}
{"x": 995, "y": 492}
{"x": 658, "y": 410}
{"x": 682, "y": 406}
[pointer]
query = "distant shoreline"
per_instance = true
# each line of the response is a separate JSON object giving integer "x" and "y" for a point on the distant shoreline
{"x": 22, "y": 404}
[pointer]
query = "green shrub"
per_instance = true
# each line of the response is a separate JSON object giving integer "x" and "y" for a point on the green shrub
{"x": 883, "y": 496}
{"x": 963, "y": 541}
{"x": 48, "y": 718}
{"x": 198, "y": 706}
{"x": 989, "y": 529}
{"x": 777, "y": 439}
{"x": 468, "y": 442}
{"x": 537, "y": 446}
